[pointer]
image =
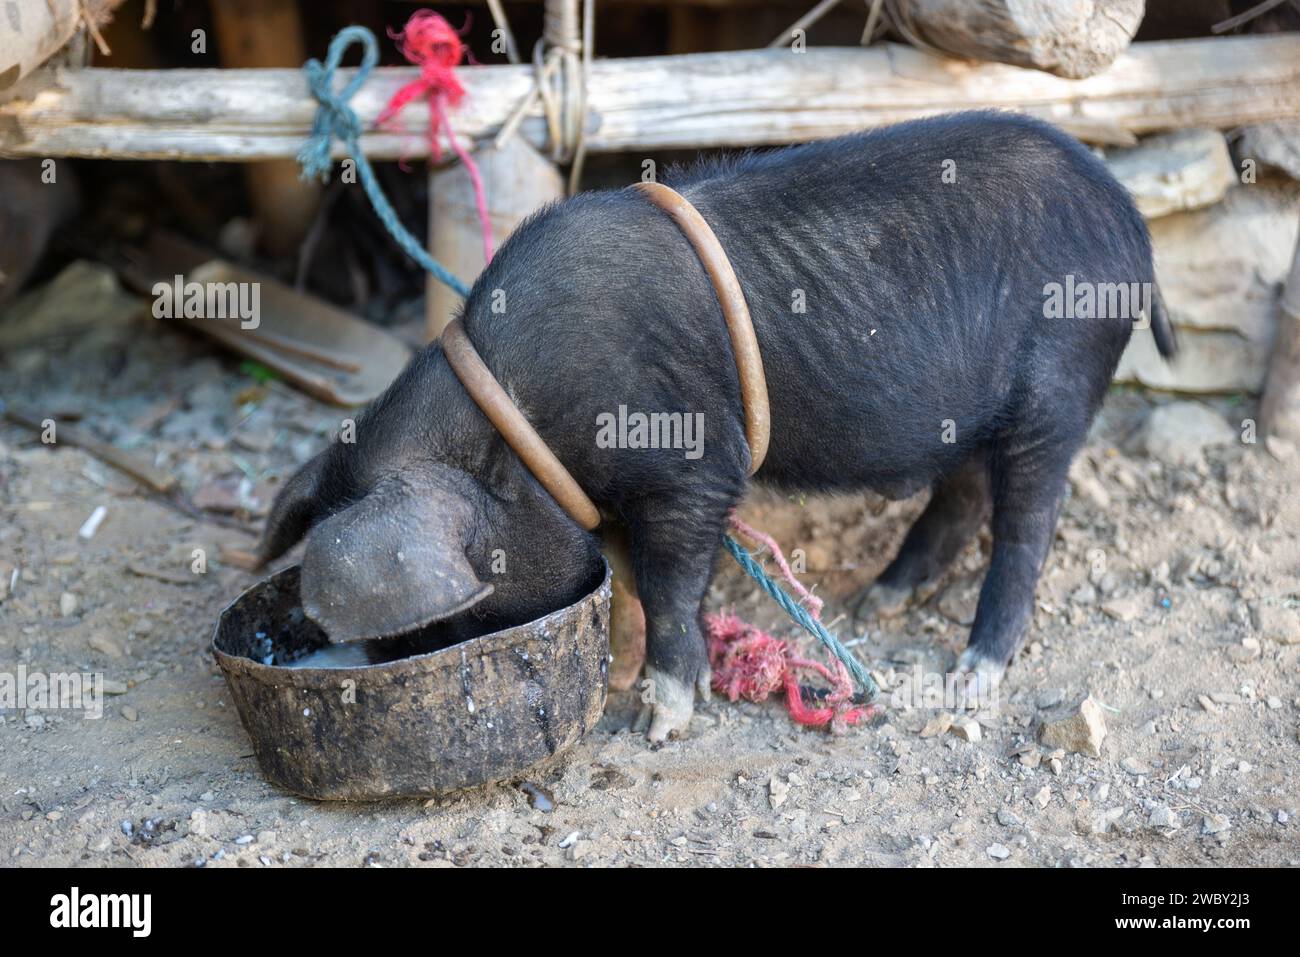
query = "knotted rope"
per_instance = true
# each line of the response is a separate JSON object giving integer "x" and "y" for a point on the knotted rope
{"x": 808, "y": 622}
{"x": 431, "y": 44}
{"x": 335, "y": 118}
{"x": 561, "y": 68}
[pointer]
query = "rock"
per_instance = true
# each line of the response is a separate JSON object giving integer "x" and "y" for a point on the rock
{"x": 958, "y": 602}
{"x": 1279, "y": 624}
{"x": 105, "y": 646}
{"x": 1219, "y": 270}
{"x": 84, "y": 303}
{"x": 1121, "y": 609}
{"x": 1009, "y": 818}
{"x": 199, "y": 822}
{"x": 130, "y": 713}
{"x": 1043, "y": 797}
{"x": 937, "y": 725}
{"x": 1215, "y": 824}
{"x": 1051, "y": 698}
{"x": 68, "y": 604}
{"x": 777, "y": 792}
{"x": 1275, "y": 145}
{"x": 1135, "y": 767}
{"x": 1162, "y": 816}
{"x": 1174, "y": 172}
{"x": 1248, "y": 650}
{"x": 1085, "y": 594}
{"x": 1086, "y": 485}
{"x": 968, "y": 729}
{"x": 998, "y": 852}
{"x": 1082, "y": 732}
{"x": 1103, "y": 821}
{"x": 1178, "y": 433}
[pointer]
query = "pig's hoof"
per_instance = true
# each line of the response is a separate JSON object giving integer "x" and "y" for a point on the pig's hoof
{"x": 982, "y": 675}
{"x": 670, "y": 703}
{"x": 879, "y": 601}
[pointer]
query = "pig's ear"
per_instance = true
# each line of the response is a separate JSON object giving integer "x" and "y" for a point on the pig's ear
{"x": 296, "y": 506}
{"x": 391, "y": 562}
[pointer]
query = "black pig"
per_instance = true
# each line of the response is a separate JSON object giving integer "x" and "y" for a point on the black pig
{"x": 901, "y": 285}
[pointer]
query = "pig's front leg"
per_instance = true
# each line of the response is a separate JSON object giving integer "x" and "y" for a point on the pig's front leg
{"x": 673, "y": 554}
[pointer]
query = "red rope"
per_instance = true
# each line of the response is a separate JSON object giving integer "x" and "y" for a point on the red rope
{"x": 429, "y": 42}
{"x": 751, "y": 664}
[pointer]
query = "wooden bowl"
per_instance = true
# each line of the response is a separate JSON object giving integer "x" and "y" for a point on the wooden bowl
{"x": 487, "y": 709}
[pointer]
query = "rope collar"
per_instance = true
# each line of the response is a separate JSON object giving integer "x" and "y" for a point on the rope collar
{"x": 532, "y": 449}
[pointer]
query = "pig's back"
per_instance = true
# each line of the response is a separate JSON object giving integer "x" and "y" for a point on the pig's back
{"x": 897, "y": 279}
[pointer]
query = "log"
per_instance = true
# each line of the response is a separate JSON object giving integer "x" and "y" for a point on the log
{"x": 1070, "y": 38}
{"x": 747, "y": 98}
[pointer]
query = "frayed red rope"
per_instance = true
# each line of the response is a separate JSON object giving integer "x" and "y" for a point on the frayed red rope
{"x": 429, "y": 42}
{"x": 751, "y": 664}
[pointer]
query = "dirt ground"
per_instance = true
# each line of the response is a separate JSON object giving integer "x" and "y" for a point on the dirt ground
{"x": 1170, "y": 597}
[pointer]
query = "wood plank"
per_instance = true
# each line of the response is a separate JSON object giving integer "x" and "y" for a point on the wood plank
{"x": 748, "y": 98}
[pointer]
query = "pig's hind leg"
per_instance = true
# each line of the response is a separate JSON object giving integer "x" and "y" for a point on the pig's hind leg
{"x": 958, "y": 507}
{"x": 1028, "y": 470}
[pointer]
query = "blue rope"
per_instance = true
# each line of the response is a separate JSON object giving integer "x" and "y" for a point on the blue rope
{"x": 336, "y": 119}
{"x": 801, "y": 615}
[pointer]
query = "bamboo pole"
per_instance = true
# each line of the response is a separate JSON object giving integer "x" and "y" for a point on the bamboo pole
{"x": 748, "y": 98}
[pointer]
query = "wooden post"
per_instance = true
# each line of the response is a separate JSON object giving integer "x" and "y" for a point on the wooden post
{"x": 1279, "y": 409}
{"x": 517, "y": 179}
{"x": 268, "y": 33}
